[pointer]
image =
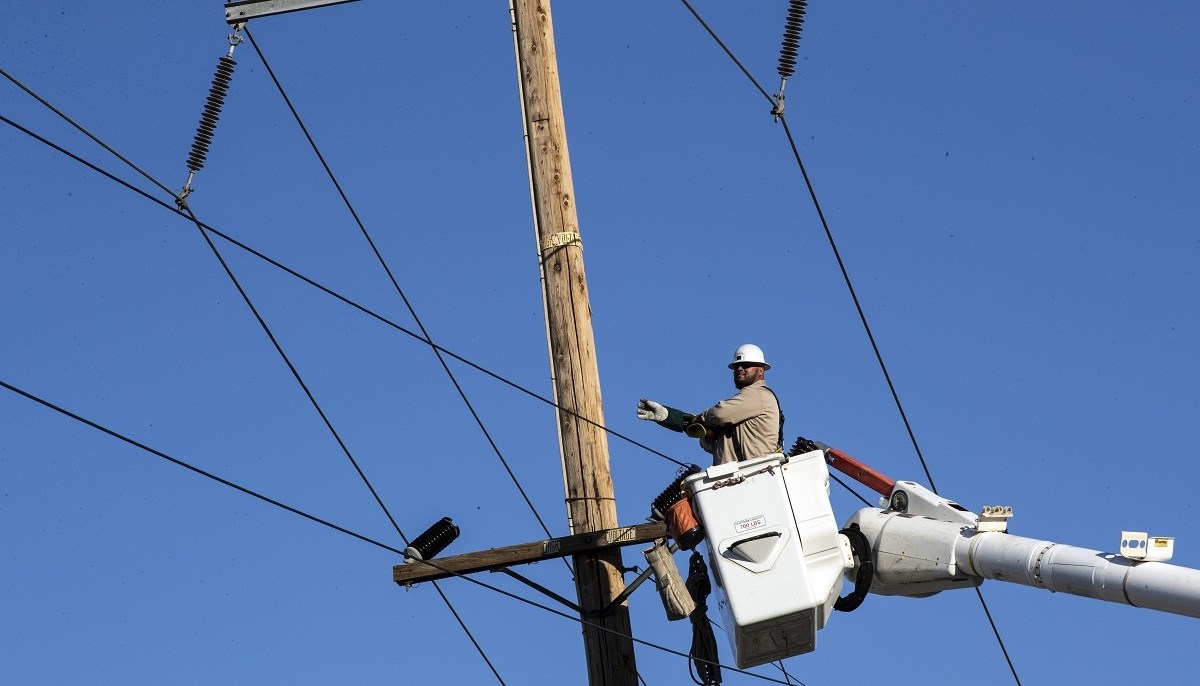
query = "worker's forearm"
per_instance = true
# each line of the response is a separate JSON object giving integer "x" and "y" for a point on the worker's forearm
{"x": 677, "y": 420}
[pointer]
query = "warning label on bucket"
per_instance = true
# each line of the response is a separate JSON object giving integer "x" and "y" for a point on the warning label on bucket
{"x": 749, "y": 524}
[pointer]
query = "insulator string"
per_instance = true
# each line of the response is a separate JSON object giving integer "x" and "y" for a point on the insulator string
{"x": 212, "y": 112}
{"x": 791, "y": 38}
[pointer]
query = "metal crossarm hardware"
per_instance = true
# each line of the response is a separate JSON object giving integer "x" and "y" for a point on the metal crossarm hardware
{"x": 244, "y": 10}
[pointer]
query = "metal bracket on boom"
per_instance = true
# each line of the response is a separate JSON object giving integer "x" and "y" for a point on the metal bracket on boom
{"x": 994, "y": 518}
{"x": 911, "y": 498}
{"x": 1142, "y": 547}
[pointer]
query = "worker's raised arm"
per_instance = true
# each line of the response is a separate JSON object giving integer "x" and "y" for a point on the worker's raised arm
{"x": 671, "y": 418}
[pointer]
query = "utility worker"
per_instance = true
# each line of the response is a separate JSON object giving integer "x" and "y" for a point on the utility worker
{"x": 750, "y": 424}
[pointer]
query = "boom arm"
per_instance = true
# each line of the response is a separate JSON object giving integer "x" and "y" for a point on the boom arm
{"x": 923, "y": 543}
{"x": 1089, "y": 573}
{"x": 920, "y": 556}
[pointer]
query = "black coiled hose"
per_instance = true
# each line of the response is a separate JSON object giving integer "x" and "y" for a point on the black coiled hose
{"x": 704, "y": 643}
{"x": 791, "y": 38}
{"x": 212, "y": 111}
{"x": 864, "y": 576}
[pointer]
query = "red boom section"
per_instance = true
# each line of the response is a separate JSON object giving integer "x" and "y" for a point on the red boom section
{"x": 860, "y": 472}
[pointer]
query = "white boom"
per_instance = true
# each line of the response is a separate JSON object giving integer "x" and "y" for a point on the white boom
{"x": 931, "y": 545}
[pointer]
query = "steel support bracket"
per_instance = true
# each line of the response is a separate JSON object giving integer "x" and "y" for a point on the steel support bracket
{"x": 243, "y": 10}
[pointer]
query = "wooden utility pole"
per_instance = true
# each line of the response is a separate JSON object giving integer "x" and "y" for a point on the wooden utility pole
{"x": 589, "y": 490}
{"x": 596, "y": 540}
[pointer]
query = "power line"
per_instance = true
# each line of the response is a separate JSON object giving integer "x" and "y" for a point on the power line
{"x": 328, "y": 291}
{"x": 400, "y": 291}
{"x": 423, "y": 337}
{"x": 724, "y": 47}
{"x": 271, "y": 501}
{"x": 255, "y": 494}
{"x": 780, "y": 116}
{"x": 206, "y": 229}
{"x": 312, "y": 399}
{"x": 996, "y": 632}
{"x": 84, "y": 131}
{"x": 279, "y": 348}
{"x": 829, "y": 236}
{"x": 205, "y": 233}
{"x": 324, "y": 418}
{"x": 580, "y": 620}
{"x": 292, "y": 368}
{"x": 857, "y": 305}
{"x": 195, "y": 469}
{"x": 186, "y": 210}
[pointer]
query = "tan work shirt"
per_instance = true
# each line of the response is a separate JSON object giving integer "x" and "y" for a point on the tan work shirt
{"x": 745, "y": 426}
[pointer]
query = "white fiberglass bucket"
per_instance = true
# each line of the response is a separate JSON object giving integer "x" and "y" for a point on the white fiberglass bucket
{"x": 774, "y": 550}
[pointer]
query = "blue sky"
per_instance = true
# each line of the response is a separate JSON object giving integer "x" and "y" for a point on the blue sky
{"x": 1011, "y": 186}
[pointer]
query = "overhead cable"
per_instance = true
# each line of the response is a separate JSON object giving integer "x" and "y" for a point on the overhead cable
{"x": 206, "y": 474}
{"x": 724, "y": 47}
{"x": 996, "y": 631}
{"x": 400, "y": 291}
{"x": 432, "y": 563}
{"x": 779, "y": 116}
{"x": 330, "y": 292}
{"x": 194, "y": 164}
{"x": 862, "y": 315}
{"x": 252, "y": 493}
{"x": 832, "y": 243}
{"x": 345, "y": 449}
{"x": 48, "y": 105}
{"x": 315, "y": 284}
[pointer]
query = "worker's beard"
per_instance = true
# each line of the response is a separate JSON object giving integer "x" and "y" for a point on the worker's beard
{"x": 743, "y": 380}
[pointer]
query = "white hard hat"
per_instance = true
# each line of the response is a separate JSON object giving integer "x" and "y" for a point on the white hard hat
{"x": 749, "y": 353}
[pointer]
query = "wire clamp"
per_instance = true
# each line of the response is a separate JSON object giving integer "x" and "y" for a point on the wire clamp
{"x": 778, "y": 110}
{"x": 181, "y": 199}
{"x": 235, "y": 38}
